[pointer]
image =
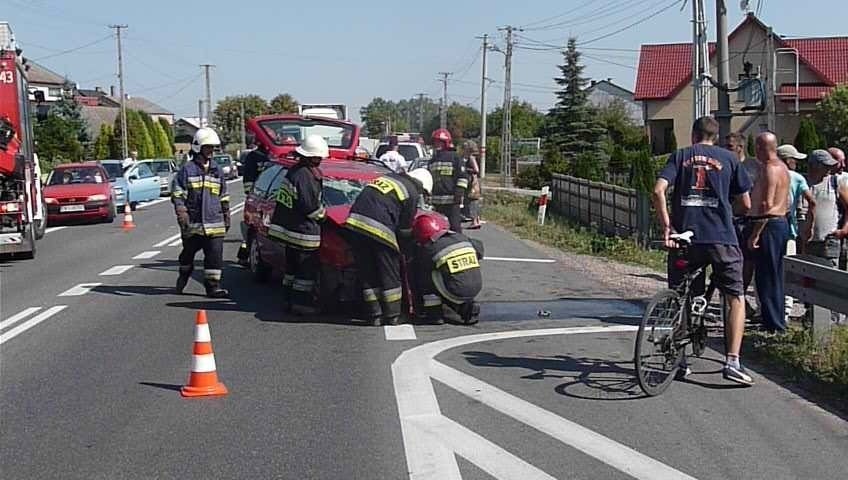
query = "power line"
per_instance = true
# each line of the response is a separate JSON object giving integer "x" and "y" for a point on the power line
{"x": 189, "y": 83}
{"x": 599, "y": 59}
{"x": 71, "y": 50}
{"x": 638, "y": 22}
{"x": 548, "y": 19}
{"x": 594, "y": 15}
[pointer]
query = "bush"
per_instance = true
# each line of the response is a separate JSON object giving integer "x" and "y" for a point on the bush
{"x": 530, "y": 177}
{"x": 808, "y": 138}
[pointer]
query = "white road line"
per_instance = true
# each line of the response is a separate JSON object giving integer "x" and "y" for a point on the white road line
{"x": 233, "y": 180}
{"x": 152, "y": 202}
{"x": 31, "y": 323}
{"x": 18, "y": 316}
{"x": 431, "y": 457}
{"x": 236, "y": 210}
{"x": 168, "y": 240}
{"x": 116, "y": 270}
{"x": 80, "y": 289}
{"x": 526, "y": 260}
{"x": 176, "y": 243}
{"x": 54, "y": 229}
{"x": 399, "y": 332}
{"x": 146, "y": 255}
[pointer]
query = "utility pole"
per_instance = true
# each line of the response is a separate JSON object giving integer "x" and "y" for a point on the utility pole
{"x": 206, "y": 67}
{"x": 506, "y": 128}
{"x": 700, "y": 62}
{"x": 483, "y": 109}
{"x": 443, "y": 122}
{"x": 124, "y": 147}
{"x": 200, "y": 112}
{"x": 421, "y": 112}
{"x": 723, "y": 115}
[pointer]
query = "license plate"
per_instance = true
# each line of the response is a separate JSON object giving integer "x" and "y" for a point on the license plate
{"x": 72, "y": 208}
{"x": 463, "y": 262}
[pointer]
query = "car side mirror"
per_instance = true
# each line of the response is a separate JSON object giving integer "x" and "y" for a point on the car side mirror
{"x": 133, "y": 177}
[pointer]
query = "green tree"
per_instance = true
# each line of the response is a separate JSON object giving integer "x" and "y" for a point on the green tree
{"x": 526, "y": 121}
{"x": 644, "y": 174}
{"x": 832, "y": 117}
{"x": 462, "y": 121}
{"x": 672, "y": 144}
{"x": 228, "y": 120}
{"x": 160, "y": 142}
{"x": 141, "y": 141}
{"x": 102, "y": 144}
{"x": 573, "y": 126}
{"x": 808, "y": 138}
{"x": 168, "y": 129}
{"x": 283, "y": 103}
{"x": 69, "y": 110}
{"x": 57, "y": 141}
{"x": 376, "y": 116}
{"x": 750, "y": 149}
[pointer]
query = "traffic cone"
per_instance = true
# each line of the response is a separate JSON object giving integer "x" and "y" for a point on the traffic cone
{"x": 128, "y": 220}
{"x": 203, "y": 380}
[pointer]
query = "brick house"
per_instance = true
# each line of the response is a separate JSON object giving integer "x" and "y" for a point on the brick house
{"x": 664, "y": 81}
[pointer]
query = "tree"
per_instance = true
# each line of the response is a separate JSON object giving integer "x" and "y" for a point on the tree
{"x": 644, "y": 174}
{"x": 625, "y": 138}
{"x": 283, "y": 103}
{"x": 376, "y": 116}
{"x": 750, "y": 149}
{"x": 573, "y": 127}
{"x": 526, "y": 121}
{"x": 808, "y": 138}
{"x": 228, "y": 120}
{"x": 141, "y": 139}
{"x": 69, "y": 110}
{"x": 462, "y": 121}
{"x": 161, "y": 143}
{"x": 58, "y": 141}
{"x": 168, "y": 129}
{"x": 832, "y": 117}
{"x": 105, "y": 138}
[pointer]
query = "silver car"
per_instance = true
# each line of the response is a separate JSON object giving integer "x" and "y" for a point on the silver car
{"x": 229, "y": 169}
{"x": 166, "y": 169}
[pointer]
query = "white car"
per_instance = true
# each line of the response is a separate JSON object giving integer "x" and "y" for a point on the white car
{"x": 411, "y": 151}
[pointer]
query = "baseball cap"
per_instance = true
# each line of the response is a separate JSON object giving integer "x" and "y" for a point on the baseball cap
{"x": 789, "y": 151}
{"x": 822, "y": 157}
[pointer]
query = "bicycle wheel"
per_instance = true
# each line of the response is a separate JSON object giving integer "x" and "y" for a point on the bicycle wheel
{"x": 658, "y": 356}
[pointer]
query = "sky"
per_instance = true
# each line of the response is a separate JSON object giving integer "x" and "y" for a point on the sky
{"x": 350, "y": 52}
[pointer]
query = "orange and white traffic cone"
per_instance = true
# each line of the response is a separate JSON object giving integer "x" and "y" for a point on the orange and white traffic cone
{"x": 203, "y": 380}
{"x": 128, "y": 219}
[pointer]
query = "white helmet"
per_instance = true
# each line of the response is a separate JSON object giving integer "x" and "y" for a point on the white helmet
{"x": 313, "y": 146}
{"x": 423, "y": 175}
{"x": 204, "y": 136}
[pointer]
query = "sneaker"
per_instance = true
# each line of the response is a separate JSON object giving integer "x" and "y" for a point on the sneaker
{"x": 738, "y": 375}
{"x": 683, "y": 373}
{"x": 217, "y": 293}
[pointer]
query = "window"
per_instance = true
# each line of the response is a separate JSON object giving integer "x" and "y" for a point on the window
{"x": 144, "y": 171}
{"x": 75, "y": 175}
{"x": 264, "y": 180}
{"x": 54, "y": 92}
{"x": 292, "y": 132}
{"x": 161, "y": 167}
{"x": 340, "y": 192}
{"x": 276, "y": 182}
{"x": 114, "y": 170}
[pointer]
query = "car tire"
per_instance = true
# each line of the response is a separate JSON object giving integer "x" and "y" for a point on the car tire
{"x": 133, "y": 206}
{"x": 261, "y": 270}
{"x": 41, "y": 225}
{"x": 113, "y": 212}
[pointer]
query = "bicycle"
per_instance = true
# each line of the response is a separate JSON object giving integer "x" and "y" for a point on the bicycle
{"x": 675, "y": 318}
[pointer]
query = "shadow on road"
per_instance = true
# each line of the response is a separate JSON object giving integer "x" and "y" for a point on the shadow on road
{"x": 164, "y": 386}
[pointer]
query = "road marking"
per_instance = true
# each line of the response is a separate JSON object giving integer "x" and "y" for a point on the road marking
{"x": 31, "y": 323}
{"x": 236, "y": 210}
{"x": 431, "y": 456}
{"x": 80, "y": 289}
{"x": 168, "y": 240}
{"x": 54, "y": 229}
{"x": 146, "y": 255}
{"x": 526, "y": 260}
{"x": 399, "y": 332}
{"x": 18, "y": 316}
{"x": 176, "y": 243}
{"x": 116, "y": 270}
{"x": 152, "y": 202}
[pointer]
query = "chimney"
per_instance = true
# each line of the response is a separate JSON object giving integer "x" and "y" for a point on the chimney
{"x": 593, "y": 82}
{"x": 111, "y": 90}
{"x": 98, "y": 89}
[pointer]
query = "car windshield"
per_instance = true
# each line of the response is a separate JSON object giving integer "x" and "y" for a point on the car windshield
{"x": 341, "y": 192}
{"x": 222, "y": 159}
{"x": 160, "y": 167}
{"x": 76, "y": 175}
{"x": 292, "y": 132}
{"x": 114, "y": 170}
{"x": 409, "y": 152}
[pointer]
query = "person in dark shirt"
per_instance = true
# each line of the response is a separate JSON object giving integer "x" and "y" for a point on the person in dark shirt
{"x": 705, "y": 179}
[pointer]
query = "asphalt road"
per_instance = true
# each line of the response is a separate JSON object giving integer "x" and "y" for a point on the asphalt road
{"x": 90, "y": 390}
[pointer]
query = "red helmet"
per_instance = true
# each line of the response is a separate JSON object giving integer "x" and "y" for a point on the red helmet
{"x": 442, "y": 135}
{"x": 426, "y": 228}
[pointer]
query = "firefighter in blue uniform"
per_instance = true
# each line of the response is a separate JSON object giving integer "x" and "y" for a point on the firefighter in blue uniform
{"x": 295, "y": 223}
{"x": 447, "y": 267}
{"x": 379, "y": 227}
{"x": 202, "y": 205}
{"x": 449, "y": 179}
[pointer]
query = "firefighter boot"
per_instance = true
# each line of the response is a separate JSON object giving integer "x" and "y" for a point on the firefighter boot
{"x": 182, "y": 280}
{"x": 214, "y": 290}
{"x": 242, "y": 255}
{"x": 470, "y": 313}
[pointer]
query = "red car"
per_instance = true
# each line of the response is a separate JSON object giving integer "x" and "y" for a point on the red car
{"x": 79, "y": 191}
{"x": 283, "y": 133}
{"x": 343, "y": 180}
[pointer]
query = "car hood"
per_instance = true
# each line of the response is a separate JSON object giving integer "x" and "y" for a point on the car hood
{"x": 76, "y": 190}
{"x": 338, "y": 215}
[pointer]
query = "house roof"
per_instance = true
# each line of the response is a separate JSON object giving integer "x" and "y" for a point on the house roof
{"x": 666, "y": 68}
{"x": 97, "y": 116}
{"x": 143, "y": 104}
{"x": 193, "y": 121}
{"x": 40, "y": 74}
{"x": 611, "y": 88}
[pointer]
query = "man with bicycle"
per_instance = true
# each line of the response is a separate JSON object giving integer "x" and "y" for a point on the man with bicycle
{"x": 706, "y": 178}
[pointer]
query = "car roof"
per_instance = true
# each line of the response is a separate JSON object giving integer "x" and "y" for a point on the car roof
{"x": 75, "y": 165}
{"x": 151, "y": 160}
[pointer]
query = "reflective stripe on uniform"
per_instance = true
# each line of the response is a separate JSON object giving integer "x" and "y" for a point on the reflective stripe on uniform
{"x": 369, "y": 295}
{"x": 439, "y": 283}
{"x": 178, "y": 193}
{"x": 432, "y": 300}
{"x": 303, "y": 285}
{"x": 296, "y": 239}
{"x": 392, "y": 295}
{"x": 462, "y": 183}
{"x": 317, "y": 214}
{"x": 441, "y": 199}
{"x": 451, "y": 250}
{"x": 288, "y": 280}
{"x": 212, "y": 273}
{"x": 385, "y": 185}
{"x": 373, "y": 228}
{"x": 225, "y": 199}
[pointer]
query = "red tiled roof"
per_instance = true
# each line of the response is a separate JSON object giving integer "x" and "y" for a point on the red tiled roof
{"x": 665, "y": 69}
{"x": 808, "y": 93}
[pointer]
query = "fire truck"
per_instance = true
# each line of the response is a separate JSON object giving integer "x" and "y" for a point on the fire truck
{"x": 22, "y": 212}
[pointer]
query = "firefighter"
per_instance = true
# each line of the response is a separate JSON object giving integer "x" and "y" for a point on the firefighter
{"x": 447, "y": 268}
{"x": 202, "y": 205}
{"x": 254, "y": 164}
{"x": 449, "y": 179}
{"x": 380, "y": 228}
{"x": 295, "y": 223}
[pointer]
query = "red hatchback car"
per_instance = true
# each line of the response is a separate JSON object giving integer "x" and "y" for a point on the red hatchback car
{"x": 343, "y": 180}
{"x": 79, "y": 191}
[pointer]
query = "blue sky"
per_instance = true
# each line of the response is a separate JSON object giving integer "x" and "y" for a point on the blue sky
{"x": 350, "y": 52}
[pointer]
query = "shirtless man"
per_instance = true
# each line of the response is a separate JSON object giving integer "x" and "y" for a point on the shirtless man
{"x": 768, "y": 231}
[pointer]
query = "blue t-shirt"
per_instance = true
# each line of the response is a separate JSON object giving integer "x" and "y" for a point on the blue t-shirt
{"x": 705, "y": 178}
{"x": 797, "y": 187}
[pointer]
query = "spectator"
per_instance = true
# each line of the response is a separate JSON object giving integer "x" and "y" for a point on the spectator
{"x": 472, "y": 195}
{"x": 392, "y": 158}
{"x": 798, "y": 189}
{"x": 767, "y": 231}
{"x": 736, "y": 143}
{"x": 842, "y": 182}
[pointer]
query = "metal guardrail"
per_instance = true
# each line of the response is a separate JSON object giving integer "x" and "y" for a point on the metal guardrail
{"x": 814, "y": 281}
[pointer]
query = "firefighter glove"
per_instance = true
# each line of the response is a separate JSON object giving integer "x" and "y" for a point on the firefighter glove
{"x": 182, "y": 218}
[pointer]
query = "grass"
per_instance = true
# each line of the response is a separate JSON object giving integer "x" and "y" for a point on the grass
{"x": 513, "y": 213}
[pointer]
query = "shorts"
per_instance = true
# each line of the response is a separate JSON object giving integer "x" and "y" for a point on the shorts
{"x": 726, "y": 262}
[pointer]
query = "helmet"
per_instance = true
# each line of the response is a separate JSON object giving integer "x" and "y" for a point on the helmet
{"x": 313, "y": 146}
{"x": 426, "y": 229}
{"x": 204, "y": 136}
{"x": 424, "y": 177}
{"x": 442, "y": 135}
